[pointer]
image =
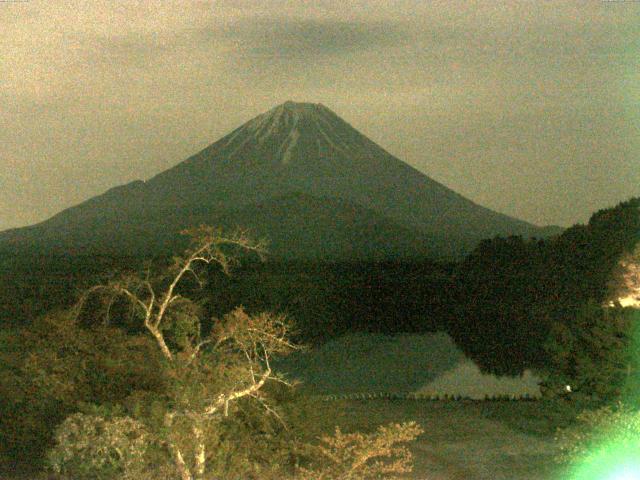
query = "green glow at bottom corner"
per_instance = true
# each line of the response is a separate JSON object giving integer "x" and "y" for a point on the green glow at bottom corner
{"x": 617, "y": 454}
{"x": 630, "y": 471}
{"x": 615, "y": 462}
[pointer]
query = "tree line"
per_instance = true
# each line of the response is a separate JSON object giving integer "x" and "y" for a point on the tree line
{"x": 550, "y": 304}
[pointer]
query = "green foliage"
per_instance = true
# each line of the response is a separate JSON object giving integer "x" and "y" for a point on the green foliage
{"x": 182, "y": 326}
{"x": 324, "y": 298}
{"x": 595, "y": 353}
{"x": 253, "y": 444}
{"x": 49, "y": 368}
{"x": 92, "y": 447}
{"x": 513, "y": 294}
{"x": 497, "y": 322}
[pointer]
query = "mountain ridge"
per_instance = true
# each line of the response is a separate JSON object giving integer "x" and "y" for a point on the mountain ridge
{"x": 293, "y": 147}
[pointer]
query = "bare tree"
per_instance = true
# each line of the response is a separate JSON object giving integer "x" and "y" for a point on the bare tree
{"x": 210, "y": 372}
{"x": 626, "y": 284}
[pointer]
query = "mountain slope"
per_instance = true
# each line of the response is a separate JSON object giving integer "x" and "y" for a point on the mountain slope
{"x": 297, "y": 161}
{"x": 307, "y": 148}
{"x": 304, "y": 227}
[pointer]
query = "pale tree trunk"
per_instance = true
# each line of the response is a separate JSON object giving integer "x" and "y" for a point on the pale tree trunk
{"x": 178, "y": 458}
{"x": 200, "y": 456}
{"x": 183, "y": 469}
{"x": 157, "y": 334}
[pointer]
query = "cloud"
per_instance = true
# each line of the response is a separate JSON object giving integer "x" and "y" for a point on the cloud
{"x": 305, "y": 39}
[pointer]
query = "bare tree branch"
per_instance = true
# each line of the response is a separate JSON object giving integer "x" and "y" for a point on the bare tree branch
{"x": 226, "y": 398}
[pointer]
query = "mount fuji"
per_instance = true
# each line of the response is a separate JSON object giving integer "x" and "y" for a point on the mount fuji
{"x": 298, "y": 175}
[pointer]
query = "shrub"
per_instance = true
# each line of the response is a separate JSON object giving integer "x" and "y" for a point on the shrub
{"x": 358, "y": 456}
{"x": 92, "y": 447}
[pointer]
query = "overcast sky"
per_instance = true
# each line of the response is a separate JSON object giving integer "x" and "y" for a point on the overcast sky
{"x": 531, "y": 108}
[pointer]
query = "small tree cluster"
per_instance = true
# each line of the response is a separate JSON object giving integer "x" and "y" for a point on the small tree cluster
{"x": 95, "y": 447}
{"x": 594, "y": 354}
{"x": 358, "y": 456}
{"x": 52, "y": 365}
{"x": 597, "y": 351}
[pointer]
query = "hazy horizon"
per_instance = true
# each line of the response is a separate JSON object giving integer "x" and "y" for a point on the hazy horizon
{"x": 528, "y": 109}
